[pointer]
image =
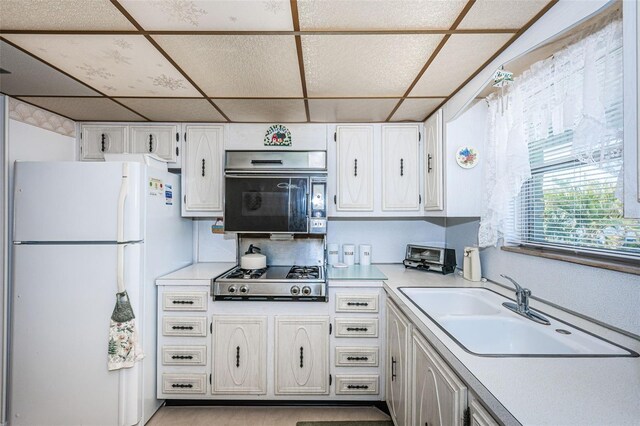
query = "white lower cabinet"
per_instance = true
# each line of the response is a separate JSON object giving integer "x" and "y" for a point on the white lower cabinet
{"x": 398, "y": 334}
{"x": 438, "y": 397}
{"x": 239, "y": 355}
{"x": 478, "y": 415}
{"x": 302, "y": 355}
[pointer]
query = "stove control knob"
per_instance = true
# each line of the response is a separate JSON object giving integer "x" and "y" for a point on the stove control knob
{"x": 306, "y": 290}
{"x": 231, "y": 289}
{"x": 295, "y": 290}
{"x": 244, "y": 289}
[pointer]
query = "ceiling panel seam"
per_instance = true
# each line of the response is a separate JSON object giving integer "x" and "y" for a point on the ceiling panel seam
{"x": 266, "y": 33}
{"x": 150, "y": 39}
{"x": 495, "y": 55}
{"x": 435, "y": 53}
{"x": 296, "y": 26}
{"x": 103, "y": 95}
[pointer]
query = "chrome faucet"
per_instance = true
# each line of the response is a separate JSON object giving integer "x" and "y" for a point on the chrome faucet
{"x": 522, "y": 306}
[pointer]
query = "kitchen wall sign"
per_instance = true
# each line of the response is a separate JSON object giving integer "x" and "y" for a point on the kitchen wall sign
{"x": 467, "y": 157}
{"x": 277, "y": 135}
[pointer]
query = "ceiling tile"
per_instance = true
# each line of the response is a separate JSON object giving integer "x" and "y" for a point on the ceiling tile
{"x": 220, "y": 15}
{"x": 62, "y": 15}
{"x": 85, "y": 109}
{"x": 503, "y": 14}
{"x": 416, "y": 109}
{"x": 117, "y": 65}
{"x": 29, "y": 76}
{"x": 263, "y": 110}
{"x": 350, "y": 110}
{"x": 172, "y": 109}
{"x": 377, "y": 14}
{"x": 460, "y": 57}
{"x": 364, "y": 65}
{"x": 238, "y": 66}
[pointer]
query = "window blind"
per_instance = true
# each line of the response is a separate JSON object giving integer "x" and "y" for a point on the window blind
{"x": 573, "y": 201}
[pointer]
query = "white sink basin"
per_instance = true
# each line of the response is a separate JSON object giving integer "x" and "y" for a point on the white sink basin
{"x": 477, "y": 321}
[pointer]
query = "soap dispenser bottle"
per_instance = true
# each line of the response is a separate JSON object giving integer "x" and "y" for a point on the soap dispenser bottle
{"x": 471, "y": 269}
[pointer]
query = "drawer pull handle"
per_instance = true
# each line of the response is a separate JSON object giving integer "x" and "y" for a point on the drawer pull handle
{"x": 357, "y": 304}
{"x": 182, "y": 357}
{"x": 355, "y": 167}
{"x": 357, "y": 358}
{"x": 402, "y": 167}
{"x": 181, "y": 385}
{"x": 182, "y": 302}
{"x": 393, "y": 369}
{"x": 357, "y": 386}
{"x": 150, "y": 143}
{"x": 203, "y": 167}
{"x": 429, "y": 158}
{"x": 102, "y": 141}
{"x": 182, "y": 327}
{"x": 301, "y": 357}
{"x": 237, "y": 356}
{"x": 357, "y": 329}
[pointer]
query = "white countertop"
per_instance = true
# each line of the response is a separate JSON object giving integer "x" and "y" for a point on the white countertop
{"x": 533, "y": 391}
{"x": 196, "y": 274}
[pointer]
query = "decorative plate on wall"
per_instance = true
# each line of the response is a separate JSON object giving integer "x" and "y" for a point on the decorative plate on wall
{"x": 467, "y": 157}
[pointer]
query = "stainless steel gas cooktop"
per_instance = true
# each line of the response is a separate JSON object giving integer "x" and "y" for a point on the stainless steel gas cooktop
{"x": 286, "y": 283}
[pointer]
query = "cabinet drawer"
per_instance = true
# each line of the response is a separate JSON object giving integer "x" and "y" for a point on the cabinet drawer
{"x": 184, "y": 383}
{"x": 184, "y": 355}
{"x": 356, "y": 327}
{"x": 356, "y": 356}
{"x": 185, "y": 301}
{"x": 357, "y": 384}
{"x": 184, "y": 326}
{"x": 356, "y": 303}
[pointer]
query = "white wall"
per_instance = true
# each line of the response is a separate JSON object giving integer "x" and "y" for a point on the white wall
{"x": 210, "y": 247}
{"x": 4, "y": 277}
{"x": 388, "y": 238}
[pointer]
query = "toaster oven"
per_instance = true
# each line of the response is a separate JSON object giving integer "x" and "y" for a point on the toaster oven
{"x": 429, "y": 258}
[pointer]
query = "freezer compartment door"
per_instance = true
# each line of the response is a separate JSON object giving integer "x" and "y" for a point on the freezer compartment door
{"x": 76, "y": 201}
{"x": 63, "y": 297}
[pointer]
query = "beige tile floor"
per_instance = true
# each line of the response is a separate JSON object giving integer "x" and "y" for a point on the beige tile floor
{"x": 259, "y": 416}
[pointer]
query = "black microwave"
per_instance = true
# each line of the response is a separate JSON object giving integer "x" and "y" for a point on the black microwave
{"x": 276, "y": 192}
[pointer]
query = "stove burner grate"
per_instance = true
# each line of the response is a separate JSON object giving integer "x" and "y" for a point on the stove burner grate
{"x": 247, "y": 273}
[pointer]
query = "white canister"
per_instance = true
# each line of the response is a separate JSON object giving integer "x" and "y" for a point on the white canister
{"x": 365, "y": 254}
{"x": 348, "y": 254}
{"x": 333, "y": 253}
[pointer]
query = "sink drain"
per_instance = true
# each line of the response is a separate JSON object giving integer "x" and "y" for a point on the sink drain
{"x": 562, "y": 331}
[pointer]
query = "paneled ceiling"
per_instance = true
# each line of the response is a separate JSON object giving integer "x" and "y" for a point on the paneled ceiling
{"x": 251, "y": 60}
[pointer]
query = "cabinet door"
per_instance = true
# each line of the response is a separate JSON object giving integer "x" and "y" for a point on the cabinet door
{"x": 98, "y": 140}
{"x": 480, "y": 416}
{"x": 158, "y": 140}
{"x": 203, "y": 169}
{"x": 400, "y": 168}
{"x": 438, "y": 397}
{"x": 239, "y": 355}
{"x": 355, "y": 168}
{"x": 302, "y": 355}
{"x": 433, "y": 183}
{"x": 397, "y": 362}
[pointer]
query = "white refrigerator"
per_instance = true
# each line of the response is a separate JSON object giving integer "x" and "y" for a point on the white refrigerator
{"x": 70, "y": 218}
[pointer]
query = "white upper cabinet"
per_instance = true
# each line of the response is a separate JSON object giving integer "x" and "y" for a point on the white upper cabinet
{"x": 400, "y": 167}
{"x": 159, "y": 140}
{"x": 355, "y": 168}
{"x": 203, "y": 170}
{"x": 433, "y": 182}
{"x": 97, "y": 140}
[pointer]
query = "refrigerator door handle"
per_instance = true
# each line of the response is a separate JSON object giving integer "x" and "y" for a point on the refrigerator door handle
{"x": 124, "y": 190}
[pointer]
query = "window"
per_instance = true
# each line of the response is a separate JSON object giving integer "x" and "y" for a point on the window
{"x": 573, "y": 199}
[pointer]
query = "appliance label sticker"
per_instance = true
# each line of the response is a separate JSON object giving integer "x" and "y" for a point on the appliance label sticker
{"x": 168, "y": 195}
{"x": 155, "y": 187}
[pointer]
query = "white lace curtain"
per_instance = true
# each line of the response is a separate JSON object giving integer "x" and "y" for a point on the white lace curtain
{"x": 568, "y": 89}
